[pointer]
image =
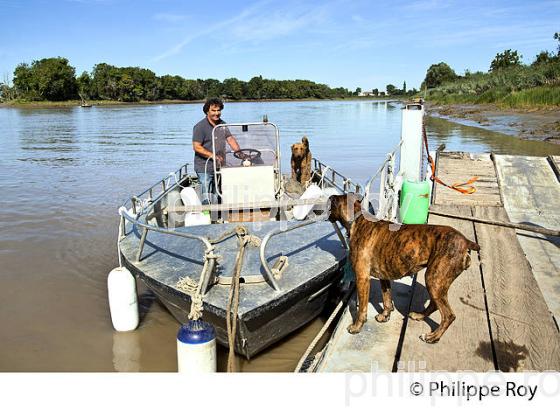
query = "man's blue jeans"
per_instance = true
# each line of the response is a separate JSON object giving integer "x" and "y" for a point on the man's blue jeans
{"x": 207, "y": 186}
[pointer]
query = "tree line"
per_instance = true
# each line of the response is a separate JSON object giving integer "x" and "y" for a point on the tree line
{"x": 54, "y": 79}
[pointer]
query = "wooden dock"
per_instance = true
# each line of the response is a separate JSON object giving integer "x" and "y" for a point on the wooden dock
{"x": 506, "y": 303}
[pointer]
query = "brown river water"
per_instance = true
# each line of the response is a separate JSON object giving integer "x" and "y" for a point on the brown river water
{"x": 65, "y": 172}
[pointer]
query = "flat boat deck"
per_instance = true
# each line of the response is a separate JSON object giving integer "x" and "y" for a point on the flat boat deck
{"x": 506, "y": 303}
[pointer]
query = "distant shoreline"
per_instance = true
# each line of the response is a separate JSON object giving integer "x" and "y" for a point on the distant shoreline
{"x": 107, "y": 103}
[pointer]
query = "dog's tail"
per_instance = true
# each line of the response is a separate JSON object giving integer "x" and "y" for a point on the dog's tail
{"x": 473, "y": 246}
{"x": 305, "y": 142}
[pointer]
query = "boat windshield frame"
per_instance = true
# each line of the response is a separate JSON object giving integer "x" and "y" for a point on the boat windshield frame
{"x": 275, "y": 150}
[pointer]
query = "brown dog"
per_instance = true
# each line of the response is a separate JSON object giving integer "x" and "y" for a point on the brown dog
{"x": 301, "y": 161}
{"x": 387, "y": 253}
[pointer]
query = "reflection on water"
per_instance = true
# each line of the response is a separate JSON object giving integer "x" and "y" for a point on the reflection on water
{"x": 126, "y": 351}
{"x": 64, "y": 173}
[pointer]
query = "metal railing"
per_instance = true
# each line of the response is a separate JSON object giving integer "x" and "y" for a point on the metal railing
{"x": 387, "y": 191}
{"x": 145, "y": 200}
{"x": 326, "y": 173}
{"x": 142, "y": 204}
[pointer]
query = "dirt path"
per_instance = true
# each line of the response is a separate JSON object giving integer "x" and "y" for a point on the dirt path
{"x": 529, "y": 124}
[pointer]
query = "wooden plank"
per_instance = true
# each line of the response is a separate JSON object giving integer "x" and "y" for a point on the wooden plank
{"x": 533, "y": 199}
{"x": 375, "y": 347}
{"x": 462, "y": 167}
{"x": 454, "y": 167}
{"x": 524, "y": 334}
{"x": 460, "y": 199}
{"x": 466, "y": 345}
{"x": 483, "y": 179}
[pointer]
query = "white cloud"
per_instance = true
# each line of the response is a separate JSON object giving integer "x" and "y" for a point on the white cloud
{"x": 257, "y": 24}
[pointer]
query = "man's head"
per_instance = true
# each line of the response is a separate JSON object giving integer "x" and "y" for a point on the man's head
{"x": 213, "y": 109}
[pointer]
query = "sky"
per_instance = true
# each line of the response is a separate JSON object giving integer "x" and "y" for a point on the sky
{"x": 366, "y": 44}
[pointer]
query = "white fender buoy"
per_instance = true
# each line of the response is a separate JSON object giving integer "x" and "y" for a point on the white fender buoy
{"x": 196, "y": 348}
{"x": 175, "y": 219}
{"x": 189, "y": 197}
{"x": 312, "y": 192}
{"x": 123, "y": 301}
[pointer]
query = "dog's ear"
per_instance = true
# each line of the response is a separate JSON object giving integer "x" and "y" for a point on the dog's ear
{"x": 354, "y": 204}
{"x": 357, "y": 207}
{"x": 305, "y": 142}
{"x": 293, "y": 147}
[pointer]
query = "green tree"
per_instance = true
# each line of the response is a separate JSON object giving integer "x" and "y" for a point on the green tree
{"x": 84, "y": 82}
{"x": 211, "y": 87}
{"x": 358, "y": 91}
{"x": 557, "y": 37}
{"x": 24, "y": 82}
{"x": 390, "y": 89}
{"x": 233, "y": 88}
{"x": 51, "y": 79}
{"x": 438, "y": 74}
{"x": 506, "y": 59}
{"x": 7, "y": 93}
{"x": 543, "y": 57}
{"x": 404, "y": 87}
{"x": 375, "y": 92}
{"x": 254, "y": 88}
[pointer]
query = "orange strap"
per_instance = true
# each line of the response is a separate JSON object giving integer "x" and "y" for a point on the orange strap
{"x": 469, "y": 189}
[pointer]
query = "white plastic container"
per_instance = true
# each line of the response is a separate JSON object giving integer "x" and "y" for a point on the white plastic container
{"x": 312, "y": 192}
{"x": 189, "y": 197}
{"x": 123, "y": 300}
{"x": 196, "y": 348}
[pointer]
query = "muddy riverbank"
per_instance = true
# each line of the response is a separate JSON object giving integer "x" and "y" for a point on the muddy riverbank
{"x": 528, "y": 124}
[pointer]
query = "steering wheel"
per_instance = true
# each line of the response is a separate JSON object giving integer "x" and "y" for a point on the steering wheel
{"x": 249, "y": 154}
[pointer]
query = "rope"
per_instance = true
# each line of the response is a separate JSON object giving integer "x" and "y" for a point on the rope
{"x": 321, "y": 181}
{"x": 233, "y": 298}
{"x": 121, "y": 219}
{"x": 327, "y": 324}
{"x": 469, "y": 189}
{"x": 194, "y": 289}
{"x": 224, "y": 236}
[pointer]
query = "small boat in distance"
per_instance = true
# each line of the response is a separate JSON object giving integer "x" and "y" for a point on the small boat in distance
{"x": 84, "y": 103}
{"x": 259, "y": 237}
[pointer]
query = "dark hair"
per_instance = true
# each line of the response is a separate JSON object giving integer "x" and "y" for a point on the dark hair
{"x": 212, "y": 101}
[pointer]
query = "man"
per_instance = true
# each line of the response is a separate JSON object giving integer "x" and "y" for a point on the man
{"x": 202, "y": 146}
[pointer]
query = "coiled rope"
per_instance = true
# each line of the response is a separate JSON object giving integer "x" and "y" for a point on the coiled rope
{"x": 468, "y": 188}
{"x": 193, "y": 288}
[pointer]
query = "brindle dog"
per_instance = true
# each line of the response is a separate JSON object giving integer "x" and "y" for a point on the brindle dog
{"x": 387, "y": 251}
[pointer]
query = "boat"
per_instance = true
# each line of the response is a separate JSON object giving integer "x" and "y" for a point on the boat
{"x": 261, "y": 252}
{"x": 84, "y": 103}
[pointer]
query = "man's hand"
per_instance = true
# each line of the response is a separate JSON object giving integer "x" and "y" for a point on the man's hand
{"x": 219, "y": 160}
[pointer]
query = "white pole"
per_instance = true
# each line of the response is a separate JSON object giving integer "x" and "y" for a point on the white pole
{"x": 411, "y": 148}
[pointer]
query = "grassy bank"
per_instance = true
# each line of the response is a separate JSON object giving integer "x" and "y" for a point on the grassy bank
{"x": 535, "y": 86}
{"x": 538, "y": 97}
